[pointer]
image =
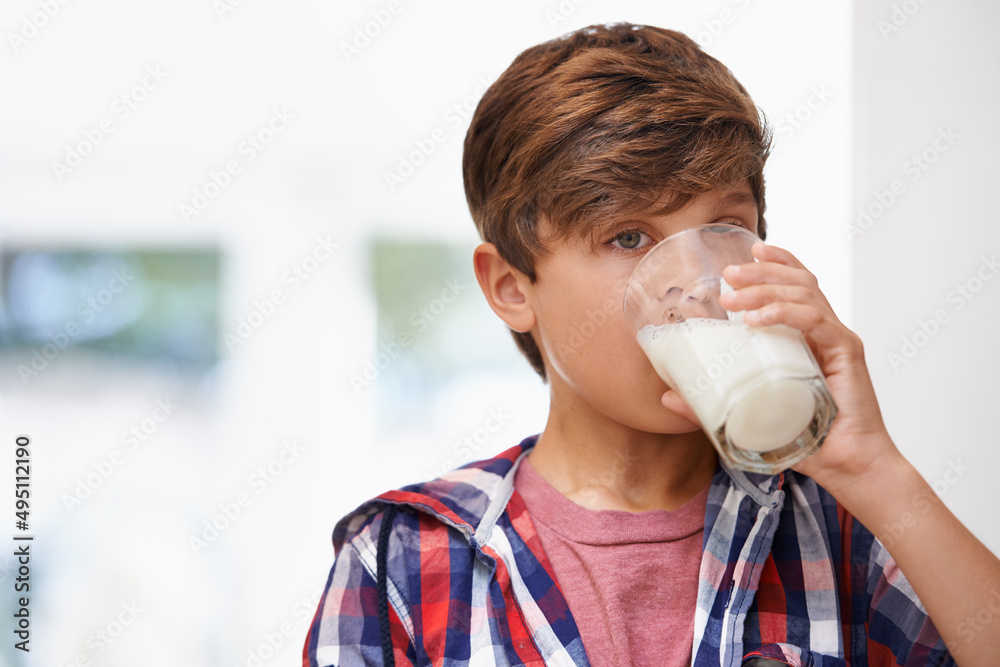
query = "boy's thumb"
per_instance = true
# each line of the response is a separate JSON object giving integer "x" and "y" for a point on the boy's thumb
{"x": 672, "y": 401}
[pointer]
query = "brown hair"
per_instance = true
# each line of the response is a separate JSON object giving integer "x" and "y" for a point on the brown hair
{"x": 602, "y": 122}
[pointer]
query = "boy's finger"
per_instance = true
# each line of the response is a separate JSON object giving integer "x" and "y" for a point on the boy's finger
{"x": 826, "y": 331}
{"x": 772, "y": 253}
{"x": 758, "y": 296}
{"x": 741, "y": 275}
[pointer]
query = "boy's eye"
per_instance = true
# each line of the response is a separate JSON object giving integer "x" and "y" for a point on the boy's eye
{"x": 631, "y": 240}
{"x": 735, "y": 222}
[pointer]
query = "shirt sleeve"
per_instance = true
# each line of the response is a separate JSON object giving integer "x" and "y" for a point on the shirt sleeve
{"x": 899, "y": 631}
{"x": 345, "y": 630}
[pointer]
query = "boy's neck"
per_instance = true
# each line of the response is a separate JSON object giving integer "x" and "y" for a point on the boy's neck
{"x": 601, "y": 464}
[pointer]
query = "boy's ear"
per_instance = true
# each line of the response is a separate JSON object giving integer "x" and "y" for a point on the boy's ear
{"x": 506, "y": 289}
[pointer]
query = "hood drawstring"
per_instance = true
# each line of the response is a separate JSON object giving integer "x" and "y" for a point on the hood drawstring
{"x": 383, "y": 597}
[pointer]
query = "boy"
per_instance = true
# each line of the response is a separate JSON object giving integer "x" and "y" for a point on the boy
{"x": 615, "y": 537}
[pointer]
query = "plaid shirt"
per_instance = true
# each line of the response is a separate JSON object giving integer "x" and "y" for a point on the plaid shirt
{"x": 786, "y": 574}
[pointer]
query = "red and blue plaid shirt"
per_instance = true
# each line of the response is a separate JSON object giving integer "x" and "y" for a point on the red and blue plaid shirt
{"x": 786, "y": 573}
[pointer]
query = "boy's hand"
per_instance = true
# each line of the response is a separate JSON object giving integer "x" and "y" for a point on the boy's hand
{"x": 859, "y": 464}
{"x": 778, "y": 289}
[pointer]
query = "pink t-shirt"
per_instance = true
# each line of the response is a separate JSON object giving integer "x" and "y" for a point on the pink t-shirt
{"x": 630, "y": 579}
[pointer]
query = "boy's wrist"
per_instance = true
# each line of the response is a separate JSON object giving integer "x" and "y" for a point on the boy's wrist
{"x": 860, "y": 482}
{"x": 882, "y": 493}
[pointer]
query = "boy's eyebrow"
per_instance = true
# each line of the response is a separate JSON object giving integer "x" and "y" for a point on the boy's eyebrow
{"x": 731, "y": 199}
{"x": 737, "y": 198}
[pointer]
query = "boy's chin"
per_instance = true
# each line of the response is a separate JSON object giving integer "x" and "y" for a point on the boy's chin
{"x": 681, "y": 426}
{"x": 670, "y": 423}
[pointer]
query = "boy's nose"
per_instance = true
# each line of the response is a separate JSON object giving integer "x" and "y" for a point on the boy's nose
{"x": 672, "y": 305}
{"x": 701, "y": 299}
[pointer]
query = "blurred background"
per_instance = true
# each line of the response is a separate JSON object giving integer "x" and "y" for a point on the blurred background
{"x": 236, "y": 293}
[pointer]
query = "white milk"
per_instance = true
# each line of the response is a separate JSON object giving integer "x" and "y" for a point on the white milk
{"x": 759, "y": 377}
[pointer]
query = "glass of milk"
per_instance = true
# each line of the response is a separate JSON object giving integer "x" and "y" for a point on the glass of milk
{"x": 757, "y": 391}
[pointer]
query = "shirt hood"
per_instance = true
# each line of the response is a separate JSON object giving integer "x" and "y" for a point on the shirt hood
{"x": 471, "y": 498}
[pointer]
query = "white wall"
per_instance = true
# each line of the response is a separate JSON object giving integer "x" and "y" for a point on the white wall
{"x": 323, "y": 174}
{"x": 925, "y": 89}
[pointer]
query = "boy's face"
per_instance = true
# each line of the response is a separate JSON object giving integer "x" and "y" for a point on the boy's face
{"x": 593, "y": 362}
